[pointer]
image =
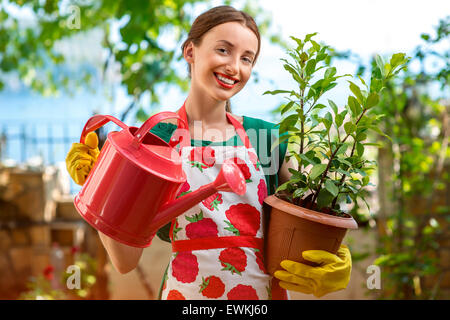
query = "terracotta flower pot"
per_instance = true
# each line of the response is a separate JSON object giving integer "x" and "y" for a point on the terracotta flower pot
{"x": 293, "y": 229}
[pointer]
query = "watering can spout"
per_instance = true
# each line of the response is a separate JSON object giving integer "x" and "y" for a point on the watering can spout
{"x": 229, "y": 179}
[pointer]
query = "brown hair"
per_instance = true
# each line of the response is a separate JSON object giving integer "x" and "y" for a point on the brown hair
{"x": 216, "y": 16}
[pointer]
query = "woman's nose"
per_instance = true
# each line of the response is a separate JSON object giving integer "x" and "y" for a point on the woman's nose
{"x": 232, "y": 67}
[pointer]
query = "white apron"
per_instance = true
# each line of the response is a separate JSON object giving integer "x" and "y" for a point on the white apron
{"x": 217, "y": 245}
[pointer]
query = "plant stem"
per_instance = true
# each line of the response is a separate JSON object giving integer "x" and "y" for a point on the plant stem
{"x": 324, "y": 174}
{"x": 302, "y": 123}
{"x": 341, "y": 182}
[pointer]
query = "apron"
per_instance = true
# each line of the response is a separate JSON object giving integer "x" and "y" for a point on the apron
{"x": 217, "y": 245}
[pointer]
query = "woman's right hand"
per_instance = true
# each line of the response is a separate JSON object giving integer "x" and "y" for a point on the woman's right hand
{"x": 81, "y": 158}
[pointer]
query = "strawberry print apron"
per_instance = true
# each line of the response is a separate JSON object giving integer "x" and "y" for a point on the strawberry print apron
{"x": 217, "y": 245}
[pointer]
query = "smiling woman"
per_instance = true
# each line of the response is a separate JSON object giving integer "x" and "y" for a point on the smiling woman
{"x": 218, "y": 244}
{"x": 222, "y": 45}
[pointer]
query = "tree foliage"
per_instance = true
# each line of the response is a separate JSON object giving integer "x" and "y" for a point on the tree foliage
{"x": 146, "y": 61}
{"x": 415, "y": 176}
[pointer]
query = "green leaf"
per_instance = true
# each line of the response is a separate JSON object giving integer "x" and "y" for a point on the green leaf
{"x": 357, "y": 92}
{"x": 376, "y": 85}
{"x": 283, "y": 186}
{"x": 317, "y": 170}
{"x": 359, "y": 149}
{"x": 333, "y": 106}
{"x": 327, "y": 121}
{"x": 294, "y": 73}
{"x": 319, "y": 106}
{"x": 361, "y": 136}
{"x": 287, "y": 107}
{"x": 372, "y": 100}
{"x": 324, "y": 198}
{"x": 307, "y": 159}
{"x": 276, "y": 92}
{"x": 362, "y": 81}
{"x": 332, "y": 188}
{"x": 354, "y": 106}
{"x": 349, "y": 127}
{"x": 299, "y": 42}
{"x": 303, "y": 58}
{"x": 344, "y": 162}
{"x": 288, "y": 123}
{"x": 339, "y": 119}
{"x": 310, "y": 67}
{"x": 342, "y": 149}
{"x": 309, "y": 36}
{"x": 380, "y": 64}
{"x": 315, "y": 45}
{"x": 299, "y": 192}
{"x": 397, "y": 59}
{"x": 344, "y": 172}
{"x": 330, "y": 72}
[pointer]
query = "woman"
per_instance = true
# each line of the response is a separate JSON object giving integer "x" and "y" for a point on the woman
{"x": 217, "y": 244}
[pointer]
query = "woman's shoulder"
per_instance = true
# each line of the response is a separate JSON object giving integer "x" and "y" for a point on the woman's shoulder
{"x": 164, "y": 130}
{"x": 257, "y": 123}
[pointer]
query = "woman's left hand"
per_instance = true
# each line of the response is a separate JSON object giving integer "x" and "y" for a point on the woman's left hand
{"x": 332, "y": 273}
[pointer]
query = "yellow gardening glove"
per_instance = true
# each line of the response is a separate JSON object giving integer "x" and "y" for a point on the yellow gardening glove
{"x": 332, "y": 273}
{"x": 81, "y": 158}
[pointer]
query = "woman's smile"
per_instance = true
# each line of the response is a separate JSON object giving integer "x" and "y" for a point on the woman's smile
{"x": 225, "y": 81}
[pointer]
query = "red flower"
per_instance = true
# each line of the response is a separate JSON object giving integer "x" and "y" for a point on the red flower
{"x": 262, "y": 191}
{"x": 233, "y": 259}
{"x": 175, "y": 295}
{"x": 212, "y": 287}
{"x": 260, "y": 260}
{"x": 185, "y": 267}
{"x": 184, "y": 189}
{"x": 48, "y": 272}
{"x": 242, "y": 292}
{"x": 200, "y": 227}
{"x": 202, "y": 157}
{"x": 244, "y": 219}
{"x": 213, "y": 201}
{"x": 244, "y": 168}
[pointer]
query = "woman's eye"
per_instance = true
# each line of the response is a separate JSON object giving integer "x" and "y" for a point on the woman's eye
{"x": 222, "y": 50}
{"x": 248, "y": 60}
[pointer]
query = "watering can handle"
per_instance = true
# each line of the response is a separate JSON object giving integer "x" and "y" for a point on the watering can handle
{"x": 98, "y": 121}
{"x": 155, "y": 119}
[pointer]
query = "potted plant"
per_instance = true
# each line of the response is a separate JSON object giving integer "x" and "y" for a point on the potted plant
{"x": 327, "y": 144}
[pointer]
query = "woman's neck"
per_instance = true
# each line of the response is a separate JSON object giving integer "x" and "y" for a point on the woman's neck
{"x": 206, "y": 110}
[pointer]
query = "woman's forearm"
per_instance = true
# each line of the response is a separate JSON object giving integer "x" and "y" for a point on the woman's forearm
{"x": 124, "y": 258}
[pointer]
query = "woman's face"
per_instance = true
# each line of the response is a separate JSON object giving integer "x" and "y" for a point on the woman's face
{"x": 222, "y": 64}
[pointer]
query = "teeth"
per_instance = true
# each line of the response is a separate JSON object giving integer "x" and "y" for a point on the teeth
{"x": 226, "y": 80}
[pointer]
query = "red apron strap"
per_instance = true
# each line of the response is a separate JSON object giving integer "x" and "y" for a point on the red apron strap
{"x": 240, "y": 130}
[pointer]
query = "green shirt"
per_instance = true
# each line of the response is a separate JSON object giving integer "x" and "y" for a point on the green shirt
{"x": 262, "y": 135}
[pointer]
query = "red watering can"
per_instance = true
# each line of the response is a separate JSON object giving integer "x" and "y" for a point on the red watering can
{"x": 130, "y": 192}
